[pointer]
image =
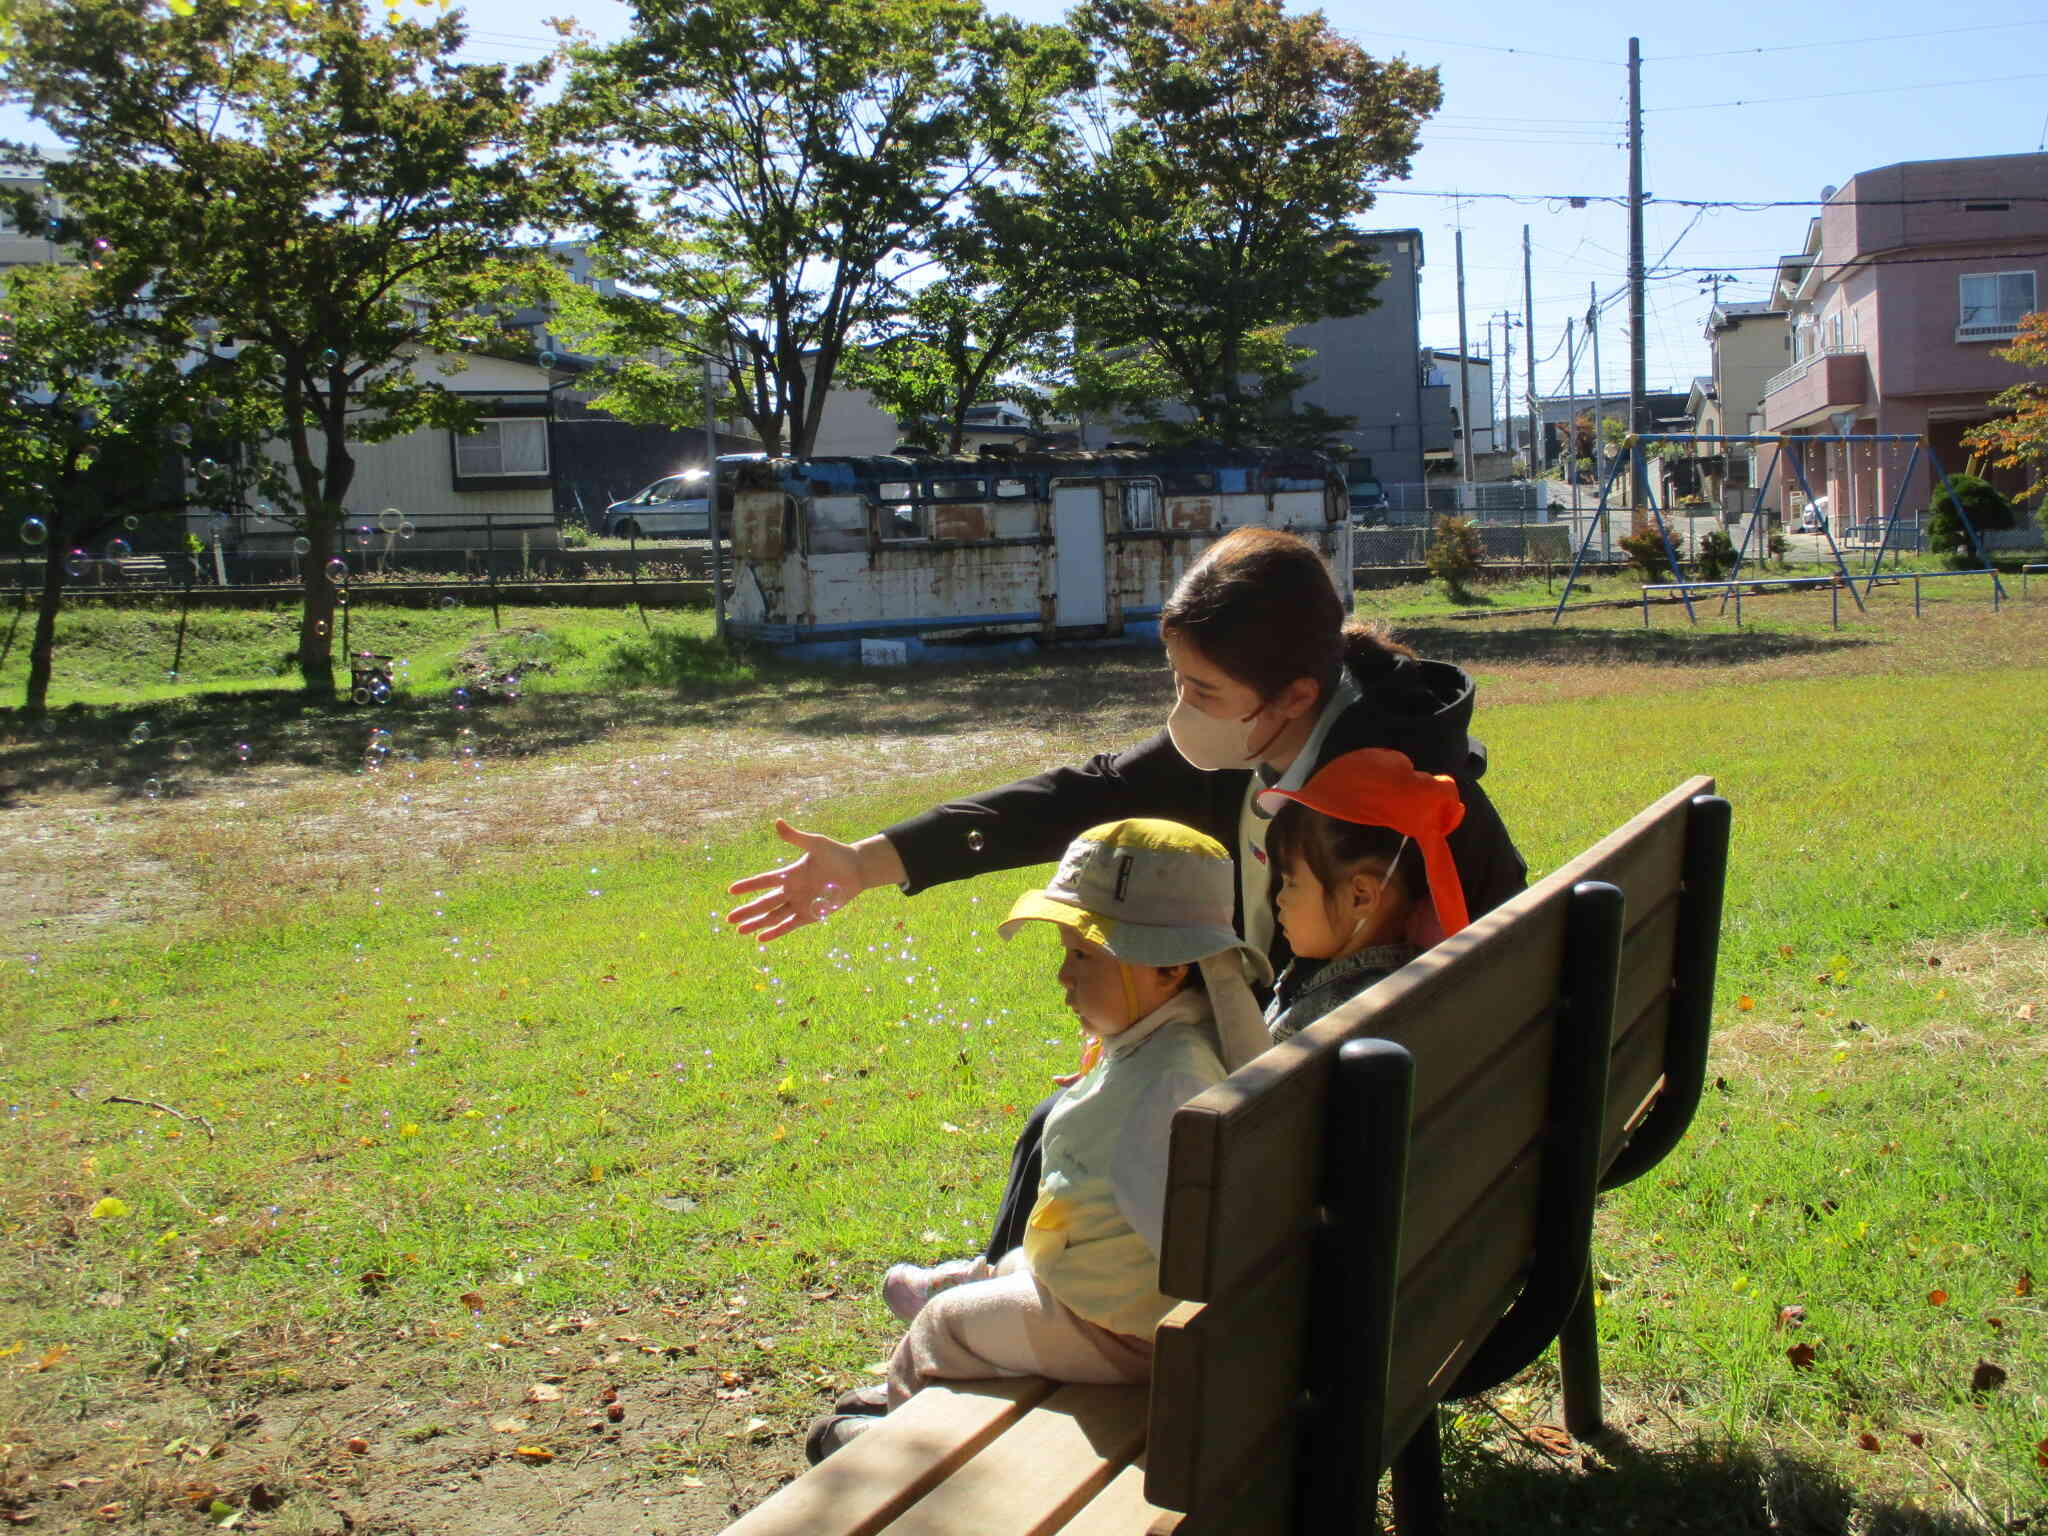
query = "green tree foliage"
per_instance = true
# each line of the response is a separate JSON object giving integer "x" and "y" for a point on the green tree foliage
{"x": 1214, "y": 184}
{"x": 90, "y": 421}
{"x": 1645, "y": 550}
{"x": 1454, "y": 554}
{"x": 1979, "y": 501}
{"x": 799, "y": 157}
{"x": 336, "y": 195}
{"x": 978, "y": 332}
{"x": 1716, "y": 554}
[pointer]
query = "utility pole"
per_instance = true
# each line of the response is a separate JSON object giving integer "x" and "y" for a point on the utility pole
{"x": 1464, "y": 386}
{"x": 1571, "y": 409}
{"x": 1599, "y": 444}
{"x": 711, "y": 499}
{"x": 1529, "y": 358}
{"x": 1638, "y": 469}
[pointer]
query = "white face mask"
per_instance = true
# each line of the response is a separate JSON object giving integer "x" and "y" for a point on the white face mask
{"x": 1212, "y": 744}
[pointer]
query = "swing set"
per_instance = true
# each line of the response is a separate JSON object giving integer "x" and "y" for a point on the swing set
{"x": 1753, "y": 525}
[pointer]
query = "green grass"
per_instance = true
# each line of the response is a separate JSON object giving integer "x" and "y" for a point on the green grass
{"x": 559, "y": 1081}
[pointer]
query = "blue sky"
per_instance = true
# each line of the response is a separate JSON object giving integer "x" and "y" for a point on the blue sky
{"x": 1535, "y": 102}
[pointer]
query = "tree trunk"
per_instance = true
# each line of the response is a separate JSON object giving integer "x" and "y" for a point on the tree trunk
{"x": 324, "y": 517}
{"x": 42, "y": 652}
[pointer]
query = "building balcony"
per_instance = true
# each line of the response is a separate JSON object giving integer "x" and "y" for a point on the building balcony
{"x": 1816, "y": 387}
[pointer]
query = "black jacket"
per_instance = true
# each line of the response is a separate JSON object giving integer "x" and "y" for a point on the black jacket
{"x": 1421, "y": 708}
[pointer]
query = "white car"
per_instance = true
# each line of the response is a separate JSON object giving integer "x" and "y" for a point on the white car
{"x": 665, "y": 509}
{"x": 1814, "y": 519}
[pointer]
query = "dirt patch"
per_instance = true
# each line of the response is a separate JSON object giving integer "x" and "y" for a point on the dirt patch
{"x": 576, "y": 1425}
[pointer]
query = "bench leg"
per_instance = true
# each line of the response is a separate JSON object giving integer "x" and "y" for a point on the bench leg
{"x": 1419, "y": 1483}
{"x": 1578, "y": 1360}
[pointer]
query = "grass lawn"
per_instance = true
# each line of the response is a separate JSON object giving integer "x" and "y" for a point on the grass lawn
{"x": 462, "y": 1108}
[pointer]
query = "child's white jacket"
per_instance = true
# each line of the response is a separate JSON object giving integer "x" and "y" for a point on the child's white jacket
{"x": 1093, "y": 1237}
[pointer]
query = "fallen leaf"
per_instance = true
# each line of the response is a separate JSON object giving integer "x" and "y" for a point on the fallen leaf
{"x": 108, "y": 1208}
{"x": 1867, "y": 1440}
{"x": 541, "y": 1392}
{"x": 2026, "y": 1011}
{"x": 1937, "y": 1298}
{"x": 1801, "y": 1356}
{"x": 2024, "y": 1286}
{"x": 1915, "y": 1438}
{"x": 358, "y": 1446}
{"x": 1987, "y": 1377}
{"x": 615, "y": 1411}
{"x": 535, "y": 1453}
{"x": 372, "y": 1282}
{"x": 1550, "y": 1438}
{"x": 1792, "y": 1316}
{"x": 698, "y": 1482}
{"x": 2041, "y": 1454}
{"x": 472, "y": 1300}
{"x": 52, "y": 1357}
{"x": 1745, "y": 1002}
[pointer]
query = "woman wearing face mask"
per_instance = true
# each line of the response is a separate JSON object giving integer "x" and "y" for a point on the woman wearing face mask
{"x": 1271, "y": 680}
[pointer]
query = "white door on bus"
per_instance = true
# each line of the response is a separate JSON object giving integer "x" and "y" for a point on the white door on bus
{"x": 1080, "y": 557}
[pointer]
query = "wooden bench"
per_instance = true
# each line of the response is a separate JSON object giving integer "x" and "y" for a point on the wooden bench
{"x": 1388, "y": 1212}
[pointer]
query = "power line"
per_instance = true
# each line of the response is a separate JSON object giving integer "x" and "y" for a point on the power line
{"x": 1874, "y": 261}
{"x": 1763, "y": 206}
{"x": 1445, "y": 42}
{"x": 1876, "y": 90}
{"x": 1844, "y": 42}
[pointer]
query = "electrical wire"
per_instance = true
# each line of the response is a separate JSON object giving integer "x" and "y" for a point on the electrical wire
{"x": 1875, "y": 90}
{"x": 1444, "y": 42}
{"x": 1843, "y": 42}
{"x": 1763, "y": 206}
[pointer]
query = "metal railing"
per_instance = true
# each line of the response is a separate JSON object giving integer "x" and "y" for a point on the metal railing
{"x": 1835, "y": 587}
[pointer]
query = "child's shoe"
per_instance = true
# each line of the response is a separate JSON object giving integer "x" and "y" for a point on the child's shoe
{"x": 834, "y": 1431}
{"x": 872, "y": 1398}
{"x": 907, "y": 1287}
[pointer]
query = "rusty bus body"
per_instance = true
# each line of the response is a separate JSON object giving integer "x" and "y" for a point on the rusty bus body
{"x": 1051, "y": 547}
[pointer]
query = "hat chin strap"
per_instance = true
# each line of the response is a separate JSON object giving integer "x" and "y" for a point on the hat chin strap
{"x": 1240, "y": 1026}
{"x": 1123, "y": 972}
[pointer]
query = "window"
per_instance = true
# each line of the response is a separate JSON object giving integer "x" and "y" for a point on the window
{"x": 1995, "y": 301}
{"x": 959, "y": 490}
{"x": 2000, "y": 207}
{"x": 514, "y": 445}
{"x": 1012, "y": 490}
{"x": 1189, "y": 482}
{"x": 839, "y": 525}
{"x": 1141, "y": 506}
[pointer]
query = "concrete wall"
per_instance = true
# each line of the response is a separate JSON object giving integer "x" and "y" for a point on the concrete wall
{"x": 1366, "y": 365}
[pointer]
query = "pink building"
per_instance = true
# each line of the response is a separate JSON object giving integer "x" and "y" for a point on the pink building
{"x": 1912, "y": 276}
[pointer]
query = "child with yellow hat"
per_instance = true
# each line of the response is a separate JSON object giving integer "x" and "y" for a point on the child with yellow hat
{"x": 1151, "y": 963}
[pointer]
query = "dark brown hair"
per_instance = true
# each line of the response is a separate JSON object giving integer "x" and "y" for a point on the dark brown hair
{"x": 1334, "y": 849}
{"x": 1260, "y": 604}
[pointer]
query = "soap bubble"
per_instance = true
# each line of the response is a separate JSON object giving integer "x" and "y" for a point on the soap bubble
{"x": 180, "y": 433}
{"x": 319, "y": 626}
{"x": 242, "y": 752}
{"x": 337, "y": 570}
{"x": 152, "y": 787}
{"x": 131, "y": 522}
{"x": 390, "y": 519}
{"x": 206, "y": 469}
{"x": 302, "y": 545}
{"x": 329, "y": 358}
{"x": 361, "y": 696}
{"x": 34, "y": 531}
{"x": 76, "y": 564}
{"x": 140, "y": 734}
{"x": 406, "y": 530}
{"x": 181, "y": 751}
{"x": 459, "y": 698}
{"x": 547, "y": 359}
{"x": 119, "y": 549}
{"x": 380, "y": 741}
{"x": 450, "y": 600}
{"x": 362, "y": 533}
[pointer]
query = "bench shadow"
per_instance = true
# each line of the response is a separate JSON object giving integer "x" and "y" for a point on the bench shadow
{"x": 1700, "y": 1489}
{"x": 1541, "y": 645}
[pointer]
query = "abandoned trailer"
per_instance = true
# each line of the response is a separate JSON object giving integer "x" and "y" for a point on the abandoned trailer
{"x": 1046, "y": 548}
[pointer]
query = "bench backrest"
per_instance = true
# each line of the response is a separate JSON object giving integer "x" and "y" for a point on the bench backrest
{"x": 1503, "y": 1023}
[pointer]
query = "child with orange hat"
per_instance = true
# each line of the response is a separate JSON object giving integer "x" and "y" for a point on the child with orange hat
{"x": 1352, "y": 851}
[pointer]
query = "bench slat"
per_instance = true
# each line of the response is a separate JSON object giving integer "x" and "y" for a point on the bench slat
{"x": 1246, "y": 1164}
{"x": 1263, "y": 1499}
{"x": 1236, "y": 1368}
{"x": 861, "y": 1488}
{"x": 1045, "y": 1468}
{"x": 1121, "y": 1509}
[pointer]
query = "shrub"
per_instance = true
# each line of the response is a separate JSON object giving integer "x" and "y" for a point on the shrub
{"x": 1646, "y": 551}
{"x": 1716, "y": 553}
{"x": 1454, "y": 553}
{"x": 1985, "y": 508}
{"x": 575, "y": 536}
{"x": 1779, "y": 546}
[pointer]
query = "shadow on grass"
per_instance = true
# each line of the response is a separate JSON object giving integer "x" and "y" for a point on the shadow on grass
{"x": 1539, "y": 644}
{"x": 177, "y": 748}
{"x": 1692, "y": 1490}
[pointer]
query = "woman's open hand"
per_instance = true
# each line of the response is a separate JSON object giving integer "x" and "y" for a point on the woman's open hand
{"x": 822, "y": 879}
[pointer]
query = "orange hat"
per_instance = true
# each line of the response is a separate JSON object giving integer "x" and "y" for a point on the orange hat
{"x": 1379, "y": 787}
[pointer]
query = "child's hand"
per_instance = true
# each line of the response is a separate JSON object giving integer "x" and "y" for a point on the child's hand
{"x": 1067, "y": 1079}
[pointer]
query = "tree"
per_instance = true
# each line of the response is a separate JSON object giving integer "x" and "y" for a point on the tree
{"x": 88, "y": 418}
{"x": 1959, "y": 497}
{"x": 799, "y": 157}
{"x": 1454, "y": 554}
{"x": 2018, "y": 439}
{"x": 337, "y": 197}
{"x": 1215, "y": 188}
{"x": 1008, "y": 288}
